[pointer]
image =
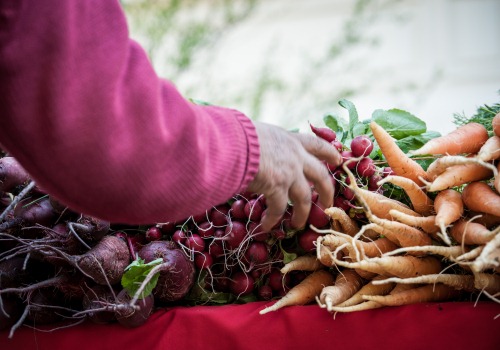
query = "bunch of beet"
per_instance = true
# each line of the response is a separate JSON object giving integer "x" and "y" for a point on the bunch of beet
{"x": 57, "y": 265}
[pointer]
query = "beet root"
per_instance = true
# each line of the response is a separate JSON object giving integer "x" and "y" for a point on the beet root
{"x": 12, "y": 174}
{"x": 176, "y": 274}
{"x": 95, "y": 300}
{"x": 106, "y": 262}
{"x": 134, "y": 316}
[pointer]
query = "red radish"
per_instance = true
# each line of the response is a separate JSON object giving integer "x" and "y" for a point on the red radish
{"x": 326, "y": 134}
{"x": 206, "y": 229}
{"x": 238, "y": 209}
{"x": 179, "y": 237}
{"x": 235, "y": 234}
{"x": 167, "y": 228}
{"x": 203, "y": 261}
{"x": 278, "y": 281}
{"x": 317, "y": 216}
{"x": 215, "y": 249}
{"x": 219, "y": 216}
{"x": 195, "y": 243}
{"x": 279, "y": 234}
{"x": 348, "y": 193}
{"x": 373, "y": 182}
{"x": 342, "y": 203}
{"x": 346, "y": 156}
{"x": 338, "y": 145}
{"x": 265, "y": 292}
{"x": 241, "y": 284}
{"x": 307, "y": 240}
{"x": 199, "y": 217}
{"x": 253, "y": 209}
{"x": 361, "y": 146}
{"x": 257, "y": 253}
{"x": 387, "y": 171}
{"x": 366, "y": 167}
{"x": 256, "y": 233}
{"x": 153, "y": 234}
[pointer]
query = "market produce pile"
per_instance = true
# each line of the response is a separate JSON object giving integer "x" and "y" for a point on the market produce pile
{"x": 415, "y": 218}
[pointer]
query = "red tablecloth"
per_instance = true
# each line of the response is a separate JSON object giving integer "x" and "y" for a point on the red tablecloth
{"x": 453, "y": 325}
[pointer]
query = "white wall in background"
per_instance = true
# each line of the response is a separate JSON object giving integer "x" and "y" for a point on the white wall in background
{"x": 459, "y": 39}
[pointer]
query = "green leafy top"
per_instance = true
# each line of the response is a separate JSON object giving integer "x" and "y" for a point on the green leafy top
{"x": 409, "y": 131}
{"x": 484, "y": 115}
{"x": 135, "y": 275}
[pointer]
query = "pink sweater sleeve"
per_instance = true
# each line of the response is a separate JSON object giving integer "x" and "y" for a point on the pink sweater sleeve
{"x": 84, "y": 112}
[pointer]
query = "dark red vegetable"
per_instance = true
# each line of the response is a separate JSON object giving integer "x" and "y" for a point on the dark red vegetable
{"x": 176, "y": 272}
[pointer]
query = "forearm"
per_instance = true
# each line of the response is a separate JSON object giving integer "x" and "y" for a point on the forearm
{"x": 83, "y": 111}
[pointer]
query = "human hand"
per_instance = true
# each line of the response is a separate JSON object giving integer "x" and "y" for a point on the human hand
{"x": 288, "y": 162}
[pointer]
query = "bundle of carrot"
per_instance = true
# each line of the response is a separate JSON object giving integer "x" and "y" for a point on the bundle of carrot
{"x": 442, "y": 245}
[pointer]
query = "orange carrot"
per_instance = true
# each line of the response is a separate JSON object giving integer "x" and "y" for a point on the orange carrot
{"x": 440, "y": 165}
{"x": 302, "y": 263}
{"x": 478, "y": 196}
{"x": 325, "y": 255}
{"x": 468, "y": 232}
{"x": 365, "y": 274}
{"x": 366, "y": 249}
{"x": 469, "y": 256}
{"x": 490, "y": 150}
{"x": 347, "y": 283}
{"x": 448, "y": 252}
{"x": 420, "y": 201}
{"x": 347, "y": 224}
{"x": 449, "y": 208}
{"x": 460, "y": 282}
{"x": 467, "y": 138}
{"x": 377, "y": 203}
{"x": 399, "y": 233}
{"x": 495, "y": 123}
{"x": 426, "y": 293}
{"x": 370, "y": 305}
{"x": 399, "y": 162}
{"x": 488, "y": 220}
{"x": 368, "y": 289}
{"x": 458, "y": 175}
{"x": 489, "y": 283}
{"x": 489, "y": 257}
{"x": 399, "y": 266}
{"x": 426, "y": 223}
{"x": 304, "y": 292}
{"x": 496, "y": 181}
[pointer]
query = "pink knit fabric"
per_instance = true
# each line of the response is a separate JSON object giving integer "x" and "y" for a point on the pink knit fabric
{"x": 84, "y": 112}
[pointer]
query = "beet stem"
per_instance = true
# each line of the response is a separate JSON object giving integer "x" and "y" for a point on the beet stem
{"x": 148, "y": 278}
{"x": 16, "y": 200}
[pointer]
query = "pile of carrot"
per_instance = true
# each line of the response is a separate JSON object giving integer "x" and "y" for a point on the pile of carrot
{"x": 445, "y": 245}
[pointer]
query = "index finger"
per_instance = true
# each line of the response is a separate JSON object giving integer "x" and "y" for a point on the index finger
{"x": 320, "y": 149}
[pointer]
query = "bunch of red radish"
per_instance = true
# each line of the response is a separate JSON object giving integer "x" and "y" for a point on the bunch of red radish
{"x": 226, "y": 243}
